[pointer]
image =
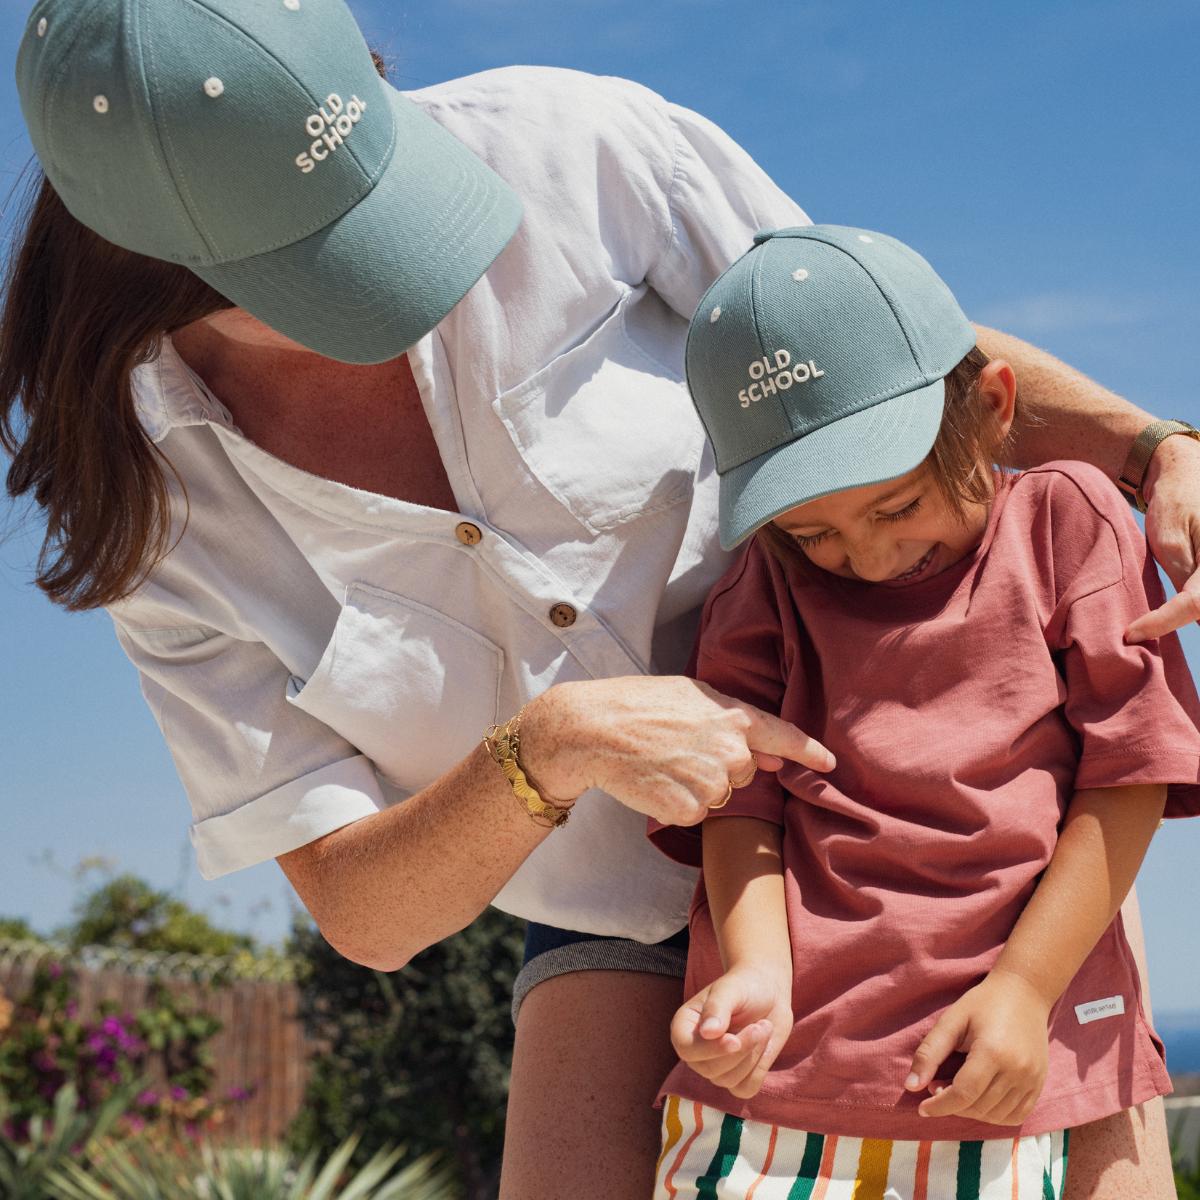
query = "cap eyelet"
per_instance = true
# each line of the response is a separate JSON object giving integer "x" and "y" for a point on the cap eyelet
{"x": 292, "y": 5}
{"x": 799, "y": 274}
{"x": 213, "y": 87}
{"x": 42, "y": 26}
{"x": 715, "y": 315}
{"x": 100, "y": 104}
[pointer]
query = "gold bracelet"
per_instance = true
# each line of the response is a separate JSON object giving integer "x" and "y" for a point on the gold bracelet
{"x": 503, "y": 743}
{"x": 1133, "y": 473}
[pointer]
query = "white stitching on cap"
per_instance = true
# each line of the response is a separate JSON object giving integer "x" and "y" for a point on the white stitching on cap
{"x": 100, "y": 104}
{"x": 862, "y": 237}
{"x": 213, "y": 87}
{"x": 42, "y": 26}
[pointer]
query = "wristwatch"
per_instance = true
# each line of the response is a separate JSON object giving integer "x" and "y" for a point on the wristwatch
{"x": 1133, "y": 473}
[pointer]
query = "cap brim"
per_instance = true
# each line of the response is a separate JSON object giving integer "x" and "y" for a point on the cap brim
{"x": 374, "y": 281}
{"x": 868, "y": 447}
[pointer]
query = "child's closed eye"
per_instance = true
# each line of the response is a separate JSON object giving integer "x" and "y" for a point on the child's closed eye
{"x": 908, "y": 510}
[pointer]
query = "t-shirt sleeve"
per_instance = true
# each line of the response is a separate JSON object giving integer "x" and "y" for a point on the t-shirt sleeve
{"x": 738, "y": 652}
{"x": 1134, "y": 707}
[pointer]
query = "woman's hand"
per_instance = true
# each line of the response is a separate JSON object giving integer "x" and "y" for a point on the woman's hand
{"x": 1001, "y": 1025}
{"x": 1172, "y": 490}
{"x": 664, "y": 745}
{"x": 731, "y": 1032}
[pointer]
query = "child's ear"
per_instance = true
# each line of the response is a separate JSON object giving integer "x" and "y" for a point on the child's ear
{"x": 998, "y": 389}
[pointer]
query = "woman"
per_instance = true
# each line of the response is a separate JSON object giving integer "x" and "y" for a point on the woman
{"x": 444, "y": 470}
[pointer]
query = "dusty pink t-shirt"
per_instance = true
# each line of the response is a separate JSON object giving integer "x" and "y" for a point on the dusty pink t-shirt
{"x": 963, "y": 709}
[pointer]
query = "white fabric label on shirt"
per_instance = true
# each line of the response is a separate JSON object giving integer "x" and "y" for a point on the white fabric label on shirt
{"x": 1097, "y": 1010}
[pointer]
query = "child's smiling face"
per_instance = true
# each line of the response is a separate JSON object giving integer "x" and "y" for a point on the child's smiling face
{"x": 904, "y": 529}
{"x": 895, "y": 532}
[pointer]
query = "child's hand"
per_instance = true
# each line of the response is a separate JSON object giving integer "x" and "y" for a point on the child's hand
{"x": 732, "y": 1031}
{"x": 1001, "y": 1025}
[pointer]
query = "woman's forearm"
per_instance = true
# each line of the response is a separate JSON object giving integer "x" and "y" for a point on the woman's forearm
{"x": 386, "y": 887}
{"x": 1103, "y": 841}
{"x": 1071, "y": 416}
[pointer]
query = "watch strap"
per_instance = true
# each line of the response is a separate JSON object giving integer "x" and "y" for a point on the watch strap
{"x": 1133, "y": 473}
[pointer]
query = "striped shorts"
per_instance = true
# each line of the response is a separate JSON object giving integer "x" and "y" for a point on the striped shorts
{"x": 709, "y": 1155}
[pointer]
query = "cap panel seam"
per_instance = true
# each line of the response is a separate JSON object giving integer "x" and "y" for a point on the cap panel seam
{"x": 52, "y": 94}
{"x": 163, "y": 133}
{"x": 222, "y": 19}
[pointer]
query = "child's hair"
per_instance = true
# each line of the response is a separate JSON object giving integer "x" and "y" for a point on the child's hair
{"x": 968, "y": 443}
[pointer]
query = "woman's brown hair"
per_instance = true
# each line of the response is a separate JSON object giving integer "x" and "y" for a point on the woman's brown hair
{"x": 79, "y": 314}
{"x": 969, "y": 441}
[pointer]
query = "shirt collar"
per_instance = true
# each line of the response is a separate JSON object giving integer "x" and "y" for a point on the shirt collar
{"x": 168, "y": 395}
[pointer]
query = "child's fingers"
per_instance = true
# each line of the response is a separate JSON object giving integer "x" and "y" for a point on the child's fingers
{"x": 721, "y": 1001}
{"x": 688, "y": 1043}
{"x": 758, "y": 1067}
{"x": 973, "y": 1079}
{"x": 733, "y": 1070}
{"x": 997, "y": 1099}
{"x": 938, "y": 1044}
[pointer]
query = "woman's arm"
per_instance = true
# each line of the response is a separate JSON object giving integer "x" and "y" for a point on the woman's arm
{"x": 1075, "y": 417}
{"x": 731, "y": 1031}
{"x": 384, "y": 887}
{"x": 1001, "y": 1023}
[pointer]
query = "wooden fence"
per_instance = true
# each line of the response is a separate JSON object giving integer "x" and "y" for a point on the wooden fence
{"x": 261, "y": 1046}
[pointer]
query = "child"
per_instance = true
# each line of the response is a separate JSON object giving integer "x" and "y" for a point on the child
{"x": 954, "y": 636}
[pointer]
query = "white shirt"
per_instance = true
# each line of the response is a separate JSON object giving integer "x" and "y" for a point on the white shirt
{"x": 314, "y": 653}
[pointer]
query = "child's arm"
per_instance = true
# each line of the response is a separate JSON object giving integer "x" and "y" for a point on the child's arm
{"x": 1001, "y": 1023}
{"x": 731, "y": 1031}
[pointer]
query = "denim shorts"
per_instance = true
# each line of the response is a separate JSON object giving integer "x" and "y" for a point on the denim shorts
{"x": 550, "y": 951}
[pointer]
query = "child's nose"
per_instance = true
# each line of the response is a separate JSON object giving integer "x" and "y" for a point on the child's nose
{"x": 873, "y": 562}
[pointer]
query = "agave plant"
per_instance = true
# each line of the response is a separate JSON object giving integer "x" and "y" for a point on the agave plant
{"x": 141, "y": 1171}
{"x": 29, "y": 1164}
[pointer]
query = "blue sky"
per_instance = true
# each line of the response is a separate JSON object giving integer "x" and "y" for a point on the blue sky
{"x": 1043, "y": 155}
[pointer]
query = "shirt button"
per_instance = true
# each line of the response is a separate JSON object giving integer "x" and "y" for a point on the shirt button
{"x": 563, "y": 615}
{"x": 468, "y": 534}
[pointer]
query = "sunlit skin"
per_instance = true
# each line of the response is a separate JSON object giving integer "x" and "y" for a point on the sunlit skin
{"x": 902, "y": 530}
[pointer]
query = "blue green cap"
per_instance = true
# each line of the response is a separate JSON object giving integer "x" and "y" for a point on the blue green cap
{"x": 816, "y": 363}
{"x": 253, "y": 142}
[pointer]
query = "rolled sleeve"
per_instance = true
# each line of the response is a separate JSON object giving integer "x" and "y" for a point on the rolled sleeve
{"x": 262, "y": 776}
{"x": 291, "y": 816}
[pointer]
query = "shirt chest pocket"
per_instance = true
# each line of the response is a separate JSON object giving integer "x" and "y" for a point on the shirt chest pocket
{"x": 607, "y": 428}
{"x": 412, "y": 688}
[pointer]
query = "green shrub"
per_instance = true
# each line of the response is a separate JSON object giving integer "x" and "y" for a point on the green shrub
{"x": 52, "y": 1141}
{"x": 143, "y": 1170}
{"x": 419, "y": 1057}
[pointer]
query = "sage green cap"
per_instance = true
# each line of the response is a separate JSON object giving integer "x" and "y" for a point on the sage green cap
{"x": 253, "y": 142}
{"x": 816, "y": 363}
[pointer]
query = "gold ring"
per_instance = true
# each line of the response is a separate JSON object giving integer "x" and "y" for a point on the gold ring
{"x": 724, "y": 800}
{"x": 747, "y": 779}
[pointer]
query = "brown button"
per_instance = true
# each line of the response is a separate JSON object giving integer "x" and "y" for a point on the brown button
{"x": 468, "y": 534}
{"x": 563, "y": 615}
